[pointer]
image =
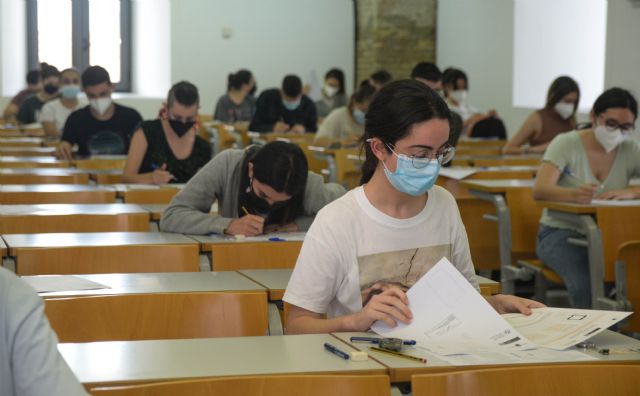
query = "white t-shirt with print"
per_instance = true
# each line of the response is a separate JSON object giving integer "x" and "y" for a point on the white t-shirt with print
{"x": 55, "y": 111}
{"x": 351, "y": 246}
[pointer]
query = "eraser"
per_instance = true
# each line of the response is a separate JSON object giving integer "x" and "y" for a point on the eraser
{"x": 358, "y": 356}
{"x": 240, "y": 236}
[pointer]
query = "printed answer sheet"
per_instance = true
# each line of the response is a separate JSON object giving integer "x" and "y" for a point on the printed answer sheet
{"x": 561, "y": 328}
{"x": 450, "y": 317}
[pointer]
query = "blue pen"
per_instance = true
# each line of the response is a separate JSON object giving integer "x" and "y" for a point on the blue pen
{"x": 336, "y": 351}
{"x": 276, "y": 239}
{"x": 374, "y": 340}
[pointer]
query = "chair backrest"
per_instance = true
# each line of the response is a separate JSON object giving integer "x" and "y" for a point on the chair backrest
{"x": 316, "y": 164}
{"x": 158, "y": 316}
{"x": 266, "y": 385}
{"x": 575, "y": 379}
{"x": 255, "y": 255}
{"x": 348, "y": 169}
{"x": 629, "y": 255}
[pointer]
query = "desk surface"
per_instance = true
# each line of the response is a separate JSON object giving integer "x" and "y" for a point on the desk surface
{"x": 275, "y": 280}
{"x": 157, "y": 282}
{"x": 29, "y": 141}
{"x": 70, "y": 209}
{"x": 497, "y": 186}
{"x": 57, "y": 188}
{"x": 40, "y": 160}
{"x": 155, "y": 210}
{"x": 161, "y": 360}
{"x": 226, "y": 239}
{"x": 42, "y": 171}
{"x": 401, "y": 369}
{"x": 122, "y": 187}
{"x": 58, "y": 240}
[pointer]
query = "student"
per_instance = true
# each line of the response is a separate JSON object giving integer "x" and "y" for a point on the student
{"x": 30, "y": 109}
{"x": 285, "y": 109}
{"x": 259, "y": 189}
{"x": 34, "y": 85}
{"x": 474, "y": 123}
{"x": 237, "y": 106}
{"x": 379, "y": 79}
{"x": 557, "y": 116}
{"x": 168, "y": 149}
{"x": 428, "y": 74}
{"x": 581, "y": 165}
{"x": 103, "y": 127}
{"x": 346, "y": 123}
{"x": 333, "y": 94}
{"x": 367, "y": 248}
{"x": 55, "y": 113}
{"x": 30, "y": 363}
{"x": 431, "y": 76}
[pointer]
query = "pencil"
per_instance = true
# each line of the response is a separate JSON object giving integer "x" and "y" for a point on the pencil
{"x": 245, "y": 210}
{"x": 399, "y": 354}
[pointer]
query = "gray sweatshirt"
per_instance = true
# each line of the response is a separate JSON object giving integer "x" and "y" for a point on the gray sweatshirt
{"x": 219, "y": 180}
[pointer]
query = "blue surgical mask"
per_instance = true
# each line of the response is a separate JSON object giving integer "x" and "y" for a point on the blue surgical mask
{"x": 291, "y": 106}
{"x": 70, "y": 91}
{"x": 411, "y": 180}
{"x": 358, "y": 115}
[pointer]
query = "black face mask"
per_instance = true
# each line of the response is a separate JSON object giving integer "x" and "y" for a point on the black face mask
{"x": 50, "y": 88}
{"x": 180, "y": 128}
{"x": 259, "y": 205}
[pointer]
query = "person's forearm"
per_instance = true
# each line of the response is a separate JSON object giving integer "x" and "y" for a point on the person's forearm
{"x": 509, "y": 149}
{"x": 554, "y": 193}
{"x": 310, "y": 325}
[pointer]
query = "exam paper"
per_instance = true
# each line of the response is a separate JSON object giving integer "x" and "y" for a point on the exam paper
{"x": 451, "y": 317}
{"x": 56, "y": 283}
{"x": 616, "y": 202}
{"x": 457, "y": 173}
{"x": 538, "y": 355}
{"x": 561, "y": 328}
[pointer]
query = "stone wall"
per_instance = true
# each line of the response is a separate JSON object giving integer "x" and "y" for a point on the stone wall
{"x": 394, "y": 35}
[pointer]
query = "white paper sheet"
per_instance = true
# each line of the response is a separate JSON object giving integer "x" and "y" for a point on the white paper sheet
{"x": 457, "y": 173}
{"x": 561, "y": 328}
{"x": 538, "y": 355}
{"x": 450, "y": 317}
{"x": 56, "y": 283}
{"x": 613, "y": 202}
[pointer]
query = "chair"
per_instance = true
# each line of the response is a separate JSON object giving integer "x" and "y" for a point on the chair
{"x": 577, "y": 379}
{"x": 347, "y": 167}
{"x": 235, "y": 256}
{"x": 265, "y": 385}
{"x": 628, "y": 286}
{"x": 158, "y": 316}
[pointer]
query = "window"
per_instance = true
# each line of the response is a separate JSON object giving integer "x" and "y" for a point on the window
{"x": 554, "y": 38}
{"x": 81, "y": 33}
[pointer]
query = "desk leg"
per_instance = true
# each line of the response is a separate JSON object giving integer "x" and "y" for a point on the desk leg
{"x": 275, "y": 323}
{"x": 206, "y": 263}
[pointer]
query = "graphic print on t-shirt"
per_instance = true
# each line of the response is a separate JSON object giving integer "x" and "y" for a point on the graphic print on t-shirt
{"x": 402, "y": 268}
{"x": 106, "y": 142}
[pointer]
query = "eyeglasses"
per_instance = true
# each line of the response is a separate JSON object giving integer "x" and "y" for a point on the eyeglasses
{"x": 611, "y": 125}
{"x": 421, "y": 160}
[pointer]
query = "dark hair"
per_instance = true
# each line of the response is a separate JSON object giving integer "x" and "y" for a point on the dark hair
{"x": 69, "y": 70}
{"x": 33, "y": 77}
{"x": 382, "y": 76}
{"x": 238, "y": 79}
{"x": 282, "y": 166}
{"x": 292, "y": 86}
{"x": 184, "y": 93}
{"x": 49, "y": 71}
{"x": 615, "y": 98}
{"x": 338, "y": 75}
{"x": 364, "y": 93}
{"x": 560, "y": 87}
{"x": 427, "y": 71}
{"x": 94, "y": 75}
{"x": 451, "y": 76}
{"x": 394, "y": 110}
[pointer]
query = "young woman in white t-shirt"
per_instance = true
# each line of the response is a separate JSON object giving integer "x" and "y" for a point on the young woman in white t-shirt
{"x": 364, "y": 250}
{"x": 54, "y": 113}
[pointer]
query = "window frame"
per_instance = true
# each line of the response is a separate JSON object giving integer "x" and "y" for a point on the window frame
{"x": 81, "y": 38}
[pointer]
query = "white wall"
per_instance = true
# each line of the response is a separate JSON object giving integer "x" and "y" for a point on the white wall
{"x": 182, "y": 39}
{"x": 271, "y": 38}
{"x": 477, "y": 36}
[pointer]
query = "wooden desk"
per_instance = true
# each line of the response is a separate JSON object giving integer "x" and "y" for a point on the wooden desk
{"x": 117, "y": 363}
{"x": 155, "y": 210}
{"x": 102, "y": 252}
{"x": 480, "y": 142}
{"x": 21, "y": 142}
{"x": 276, "y": 280}
{"x": 497, "y": 160}
{"x": 517, "y": 217}
{"x": 21, "y": 132}
{"x": 55, "y": 193}
{"x": 26, "y": 219}
{"x": 32, "y": 162}
{"x": 488, "y": 287}
{"x": 3, "y": 249}
{"x": 401, "y": 370}
{"x": 43, "y": 176}
{"x": 606, "y": 228}
{"x": 107, "y": 162}
{"x": 27, "y": 151}
{"x": 106, "y": 176}
{"x": 147, "y": 193}
{"x": 229, "y": 254}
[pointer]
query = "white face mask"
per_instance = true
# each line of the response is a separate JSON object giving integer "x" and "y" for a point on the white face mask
{"x": 330, "y": 91}
{"x": 100, "y": 105}
{"x": 609, "y": 140}
{"x": 564, "y": 109}
{"x": 459, "y": 95}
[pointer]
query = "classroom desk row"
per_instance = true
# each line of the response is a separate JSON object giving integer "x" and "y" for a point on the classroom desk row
{"x": 139, "y": 362}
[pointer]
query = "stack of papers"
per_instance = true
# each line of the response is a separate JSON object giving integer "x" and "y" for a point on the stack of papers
{"x": 454, "y": 322}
